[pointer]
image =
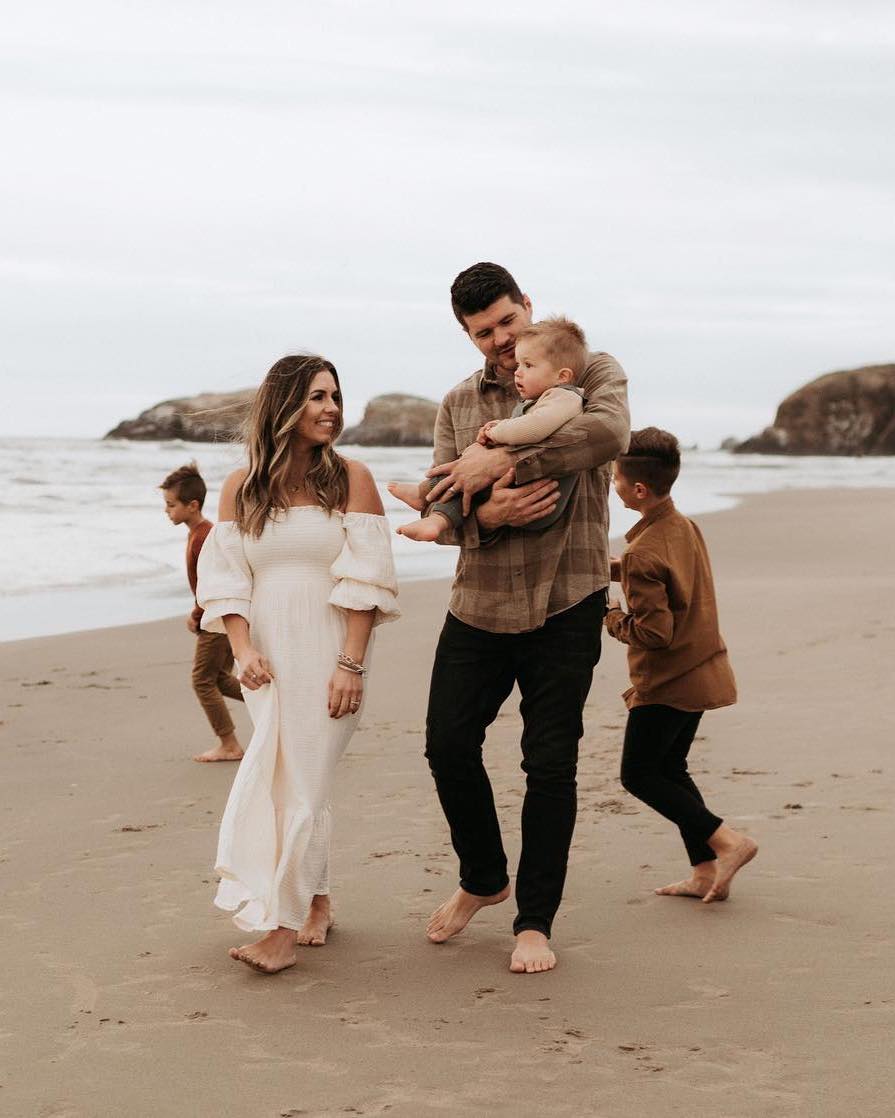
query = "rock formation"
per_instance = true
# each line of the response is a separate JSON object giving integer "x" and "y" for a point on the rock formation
{"x": 845, "y": 413}
{"x": 207, "y": 418}
{"x": 394, "y": 420}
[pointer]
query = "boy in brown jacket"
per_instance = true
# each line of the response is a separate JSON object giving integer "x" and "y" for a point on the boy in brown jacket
{"x": 677, "y": 661}
{"x": 213, "y": 679}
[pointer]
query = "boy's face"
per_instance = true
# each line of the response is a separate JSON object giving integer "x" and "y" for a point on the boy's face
{"x": 178, "y": 512}
{"x": 494, "y": 330}
{"x": 632, "y": 494}
{"x": 535, "y": 373}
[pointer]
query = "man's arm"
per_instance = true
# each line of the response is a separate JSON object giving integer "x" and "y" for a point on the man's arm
{"x": 597, "y": 436}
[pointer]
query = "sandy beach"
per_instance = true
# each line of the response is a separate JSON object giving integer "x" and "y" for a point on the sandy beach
{"x": 119, "y": 998}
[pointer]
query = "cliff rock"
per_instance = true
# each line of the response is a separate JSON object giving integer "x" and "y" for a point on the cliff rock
{"x": 394, "y": 420}
{"x": 209, "y": 417}
{"x": 845, "y": 413}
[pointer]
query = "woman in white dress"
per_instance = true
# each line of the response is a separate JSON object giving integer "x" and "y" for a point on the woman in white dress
{"x": 297, "y": 572}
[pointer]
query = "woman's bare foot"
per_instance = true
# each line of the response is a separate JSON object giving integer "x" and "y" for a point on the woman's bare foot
{"x": 426, "y": 530}
{"x": 733, "y": 853}
{"x": 227, "y": 749}
{"x": 408, "y": 493}
{"x": 320, "y": 919}
{"x": 450, "y": 918}
{"x": 273, "y": 952}
{"x": 532, "y": 954}
{"x": 700, "y": 881}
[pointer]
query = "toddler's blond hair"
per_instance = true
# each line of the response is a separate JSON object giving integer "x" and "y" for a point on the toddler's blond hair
{"x": 563, "y": 342}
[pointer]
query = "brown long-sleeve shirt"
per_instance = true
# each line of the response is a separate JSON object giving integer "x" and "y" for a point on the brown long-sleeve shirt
{"x": 676, "y": 656}
{"x": 194, "y": 543}
{"x": 513, "y": 581}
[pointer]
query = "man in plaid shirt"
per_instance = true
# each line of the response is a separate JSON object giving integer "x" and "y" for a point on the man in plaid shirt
{"x": 526, "y": 609}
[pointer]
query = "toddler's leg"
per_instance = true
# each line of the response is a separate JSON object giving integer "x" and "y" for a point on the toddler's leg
{"x": 410, "y": 493}
{"x": 427, "y": 528}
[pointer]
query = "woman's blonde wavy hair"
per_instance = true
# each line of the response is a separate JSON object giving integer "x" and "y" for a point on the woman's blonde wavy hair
{"x": 269, "y": 433}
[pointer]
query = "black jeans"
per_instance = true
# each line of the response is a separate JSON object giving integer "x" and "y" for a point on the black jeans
{"x": 473, "y": 674}
{"x": 654, "y": 769}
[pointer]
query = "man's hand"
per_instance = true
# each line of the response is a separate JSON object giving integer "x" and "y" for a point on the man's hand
{"x": 192, "y": 624}
{"x": 514, "y": 508}
{"x": 474, "y": 470}
{"x": 615, "y": 569}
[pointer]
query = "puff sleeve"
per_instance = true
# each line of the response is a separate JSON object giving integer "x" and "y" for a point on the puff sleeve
{"x": 364, "y": 571}
{"x": 225, "y": 577}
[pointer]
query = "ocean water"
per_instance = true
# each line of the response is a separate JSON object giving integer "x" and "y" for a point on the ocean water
{"x": 86, "y": 543}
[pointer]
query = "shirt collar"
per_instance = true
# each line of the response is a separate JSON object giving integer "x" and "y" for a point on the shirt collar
{"x": 489, "y": 378}
{"x": 664, "y": 508}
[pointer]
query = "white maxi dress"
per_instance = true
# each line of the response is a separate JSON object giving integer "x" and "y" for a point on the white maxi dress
{"x": 293, "y": 585}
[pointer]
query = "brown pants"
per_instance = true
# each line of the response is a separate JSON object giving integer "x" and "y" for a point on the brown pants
{"x": 213, "y": 679}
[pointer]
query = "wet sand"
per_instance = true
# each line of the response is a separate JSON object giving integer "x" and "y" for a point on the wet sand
{"x": 119, "y": 998}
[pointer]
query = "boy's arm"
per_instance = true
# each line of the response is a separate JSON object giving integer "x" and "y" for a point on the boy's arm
{"x": 597, "y": 436}
{"x": 649, "y": 622}
{"x": 554, "y": 408}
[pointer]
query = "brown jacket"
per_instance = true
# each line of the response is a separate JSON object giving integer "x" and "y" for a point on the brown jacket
{"x": 193, "y": 546}
{"x": 676, "y": 656}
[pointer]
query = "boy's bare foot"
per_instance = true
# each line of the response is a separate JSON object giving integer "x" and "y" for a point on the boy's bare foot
{"x": 693, "y": 887}
{"x": 227, "y": 749}
{"x": 532, "y": 954}
{"x": 271, "y": 953}
{"x": 320, "y": 919}
{"x": 730, "y": 860}
{"x": 408, "y": 493}
{"x": 220, "y": 753}
{"x": 426, "y": 530}
{"x": 450, "y": 918}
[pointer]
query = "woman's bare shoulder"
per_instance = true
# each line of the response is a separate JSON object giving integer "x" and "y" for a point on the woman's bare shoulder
{"x": 231, "y": 486}
{"x": 363, "y": 496}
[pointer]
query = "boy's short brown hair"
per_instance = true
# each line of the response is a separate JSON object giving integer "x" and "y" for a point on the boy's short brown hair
{"x": 653, "y": 458}
{"x": 563, "y": 342}
{"x": 186, "y": 484}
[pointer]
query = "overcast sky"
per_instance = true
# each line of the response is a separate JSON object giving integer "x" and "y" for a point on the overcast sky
{"x": 193, "y": 189}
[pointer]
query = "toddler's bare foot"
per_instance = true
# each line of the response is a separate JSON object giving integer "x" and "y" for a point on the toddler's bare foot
{"x": 450, "y": 918}
{"x": 408, "y": 493}
{"x": 273, "y": 952}
{"x": 426, "y": 530}
{"x": 730, "y": 860}
{"x": 532, "y": 954}
{"x": 320, "y": 919}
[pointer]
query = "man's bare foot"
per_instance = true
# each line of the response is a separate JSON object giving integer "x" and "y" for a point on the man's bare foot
{"x": 320, "y": 919}
{"x": 532, "y": 954}
{"x": 450, "y": 918}
{"x": 273, "y": 952}
{"x": 731, "y": 859}
{"x": 426, "y": 530}
{"x": 408, "y": 493}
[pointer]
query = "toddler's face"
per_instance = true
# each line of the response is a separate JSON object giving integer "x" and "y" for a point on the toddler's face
{"x": 534, "y": 372}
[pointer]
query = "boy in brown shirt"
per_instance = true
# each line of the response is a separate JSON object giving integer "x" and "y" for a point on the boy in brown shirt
{"x": 677, "y": 661}
{"x": 213, "y": 679}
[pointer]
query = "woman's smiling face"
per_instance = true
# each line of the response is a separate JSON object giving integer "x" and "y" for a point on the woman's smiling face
{"x": 321, "y": 417}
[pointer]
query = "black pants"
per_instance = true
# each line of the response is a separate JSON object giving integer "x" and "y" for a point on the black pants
{"x": 473, "y": 674}
{"x": 654, "y": 769}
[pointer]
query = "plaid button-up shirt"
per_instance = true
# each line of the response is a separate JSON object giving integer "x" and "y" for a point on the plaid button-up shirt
{"x": 512, "y": 581}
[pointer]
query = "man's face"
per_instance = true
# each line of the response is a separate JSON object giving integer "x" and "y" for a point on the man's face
{"x": 494, "y": 330}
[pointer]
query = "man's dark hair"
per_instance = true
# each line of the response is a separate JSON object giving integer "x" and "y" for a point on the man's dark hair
{"x": 186, "y": 484}
{"x": 479, "y": 286}
{"x": 653, "y": 457}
